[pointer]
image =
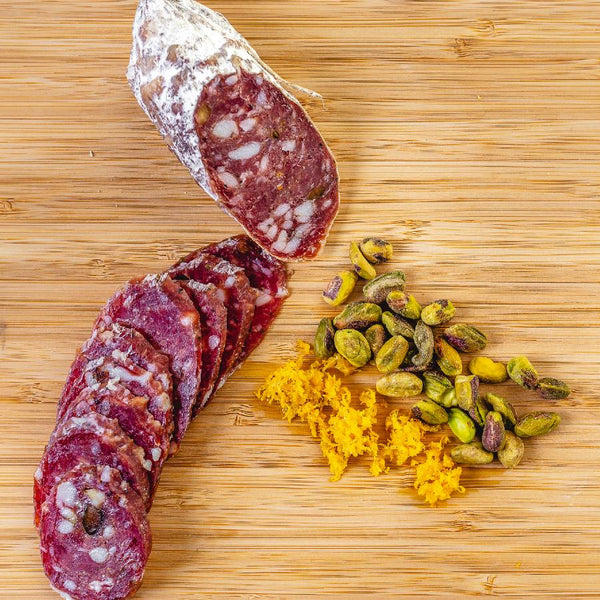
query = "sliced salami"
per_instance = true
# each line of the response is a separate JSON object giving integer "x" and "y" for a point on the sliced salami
{"x": 265, "y": 273}
{"x": 228, "y": 117}
{"x": 235, "y": 292}
{"x": 117, "y": 402}
{"x": 94, "y": 536}
{"x": 93, "y": 439}
{"x": 135, "y": 362}
{"x": 161, "y": 310}
{"x": 213, "y": 320}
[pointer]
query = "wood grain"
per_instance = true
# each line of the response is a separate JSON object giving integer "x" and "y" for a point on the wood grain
{"x": 467, "y": 133}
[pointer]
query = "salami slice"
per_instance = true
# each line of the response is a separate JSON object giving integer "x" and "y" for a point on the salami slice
{"x": 213, "y": 320}
{"x": 117, "y": 402}
{"x": 161, "y": 310}
{"x": 265, "y": 273}
{"x": 94, "y": 535}
{"x": 135, "y": 362}
{"x": 236, "y": 293}
{"x": 228, "y": 117}
{"x": 93, "y": 439}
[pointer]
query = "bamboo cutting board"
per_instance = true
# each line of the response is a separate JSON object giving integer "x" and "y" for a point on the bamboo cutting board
{"x": 467, "y": 134}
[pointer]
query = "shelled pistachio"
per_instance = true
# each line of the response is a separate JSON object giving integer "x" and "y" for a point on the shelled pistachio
{"x": 461, "y": 425}
{"x": 521, "y": 371}
{"x": 553, "y": 389}
{"x": 424, "y": 341}
{"x": 511, "y": 455}
{"x": 362, "y": 266}
{"x": 487, "y": 370}
{"x": 467, "y": 390}
{"x": 429, "y": 412}
{"x": 353, "y": 346}
{"x": 435, "y": 385}
{"x": 536, "y": 423}
{"x": 494, "y": 432}
{"x": 396, "y": 325}
{"x": 471, "y": 454}
{"x": 438, "y": 312}
{"x": 502, "y": 406}
{"x": 324, "y": 345}
{"x": 358, "y": 315}
{"x": 449, "y": 360}
{"x": 376, "y": 250}
{"x": 340, "y": 287}
{"x": 377, "y": 289}
{"x": 465, "y": 338}
{"x": 404, "y": 305}
{"x": 392, "y": 353}
{"x": 399, "y": 385}
{"x": 376, "y": 336}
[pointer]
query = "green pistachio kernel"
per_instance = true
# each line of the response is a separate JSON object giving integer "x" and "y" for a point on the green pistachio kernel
{"x": 448, "y": 358}
{"x": 340, "y": 287}
{"x": 404, "y": 305}
{"x": 467, "y": 390}
{"x": 358, "y": 315}
{"x": 461, "y": 425}
{"x": 361, "y": 265}
{"x": 494, "y": 432}
{"x": 391, "y": 355}
{"x": 521, "y": 371}
{"x": 436, "y": 385}
{"x": 353, "y": 346}
{"x": 324, "y": 346}
{"x": 397, "y": 325}
{"x": 465, "y": 338}
{"x": 376, "y": 336}
{"x": 377, "y": 290}
{"x": 429, "y": 412}
{"x": 553, "y": 389}
{"x": 376, "y": 250}
{"x": 487, "y": 370}
{"x": 438, "y": 312}
{"x": 399, "y": 385}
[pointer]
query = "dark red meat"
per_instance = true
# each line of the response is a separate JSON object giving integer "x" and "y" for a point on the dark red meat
{"x": 96, "y": 440}
{"x": 161, "y": 310}
{"x": 94, "y": 536}
{"x": 117, "y": 402}
{"x": 235, "y": 292}
{"x": 213, "y": 320}
{"x": 130, "y": 350}
{"x": 267, "y": 163}
{"x": 265, "y": 273}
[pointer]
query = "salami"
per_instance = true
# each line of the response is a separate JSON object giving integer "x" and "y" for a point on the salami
{"x": 235, "y": 292}
{"x": 213, "y": 320}
{"x": 161, "y": 310}
{"x": 229, "y": 118}
{"x": 117, "y": 402}
{"x": 94, "y": 536}
{"x": 265, "y": 273}
{"x": 93, "y": 439}
{"x": 142, "y": 367}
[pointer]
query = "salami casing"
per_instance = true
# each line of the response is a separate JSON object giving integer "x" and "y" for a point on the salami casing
{"x": 229, "y": 118}
{"x": 161, "y": 310}
{"x": 265, "y": 273}
{"x": 94, "y": 536}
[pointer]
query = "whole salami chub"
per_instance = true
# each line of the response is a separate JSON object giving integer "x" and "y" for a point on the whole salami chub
{"x": 230, "y": 119}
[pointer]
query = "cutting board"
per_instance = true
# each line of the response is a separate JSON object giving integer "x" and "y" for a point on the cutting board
{"x": 467, "y": 134}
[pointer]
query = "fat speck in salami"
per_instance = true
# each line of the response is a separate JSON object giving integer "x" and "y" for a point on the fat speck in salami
{"x": 230, "y": 119}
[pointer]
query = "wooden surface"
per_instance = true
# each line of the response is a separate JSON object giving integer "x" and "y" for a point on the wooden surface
{"x": 467, "y": 133}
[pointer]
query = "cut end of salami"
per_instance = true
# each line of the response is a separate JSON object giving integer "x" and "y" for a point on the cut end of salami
{"x": 94, "y": 536}
{"x": 228, "y": 117}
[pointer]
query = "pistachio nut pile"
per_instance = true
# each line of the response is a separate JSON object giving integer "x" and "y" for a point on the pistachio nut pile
{"x": 417, "y": 351}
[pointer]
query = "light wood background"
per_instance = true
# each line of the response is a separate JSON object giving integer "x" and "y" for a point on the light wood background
{"x": 467, "y": 133}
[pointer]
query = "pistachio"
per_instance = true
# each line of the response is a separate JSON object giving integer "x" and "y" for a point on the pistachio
{"x": 521, "y": 371}
{"x": 536, "y": 423}
{"x": 361, "y": 265}
{"x": 448, "y": 358}
{"x": 471, "y": 454}
{"x": 404, "y": 305}
{"x": 376, "y": 337}
{"x": 429, "y": 412}
{"x": 358, "y": 315}
{"x": 378, "y": 289}
{"x": 353, "y": 346}
{"x": 397, "y": 325}
{"x": 340, "y": 287}
{"x": 438, "y": 312}
{"x": 461, "y": 425}
{"x": 512, "y": 453}
{"x": 391, "y": 355}
{"x": 494, "y": 432}
{"x": 436, "y": 385}
{"x": 424, "y": 340}
{"x": 324, "y": 346}
{"x": 376, "y": 250}
{"x": 502, "y": 406}
{"x": 467, "y": 390}
{"x": 487, "y": 370}
{"x": 553, "y": 389}
{"x": 465, "y": 338}
{"x": 399, "y": 385}
{"x": 448, "y": 398}
{"x": 479, "y": 411}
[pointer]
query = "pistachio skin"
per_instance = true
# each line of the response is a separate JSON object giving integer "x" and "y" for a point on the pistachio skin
{"x": 438, "y": 312}
{"x": 340, "y": 287}
{"x": 376, "y": 250}
{"x": 353, "y": 346}
{"x": 324, "y": 345}
{"x": 465, "y": 338}
{"x": 536, "y": 423}
{"x": 553, "y": 389}
{"x": 399, "y": 385}
{"x": 522, "y": 372}
{"x": 377, "y": 289}
{"x": 358, "y": 315}
{"x": 511, "y": 455}
{"x": 362, "y": 266}
{"x": 494, "y": 432}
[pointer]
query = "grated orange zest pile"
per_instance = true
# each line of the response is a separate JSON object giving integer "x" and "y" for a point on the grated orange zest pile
{"x": 314, "y": 395}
